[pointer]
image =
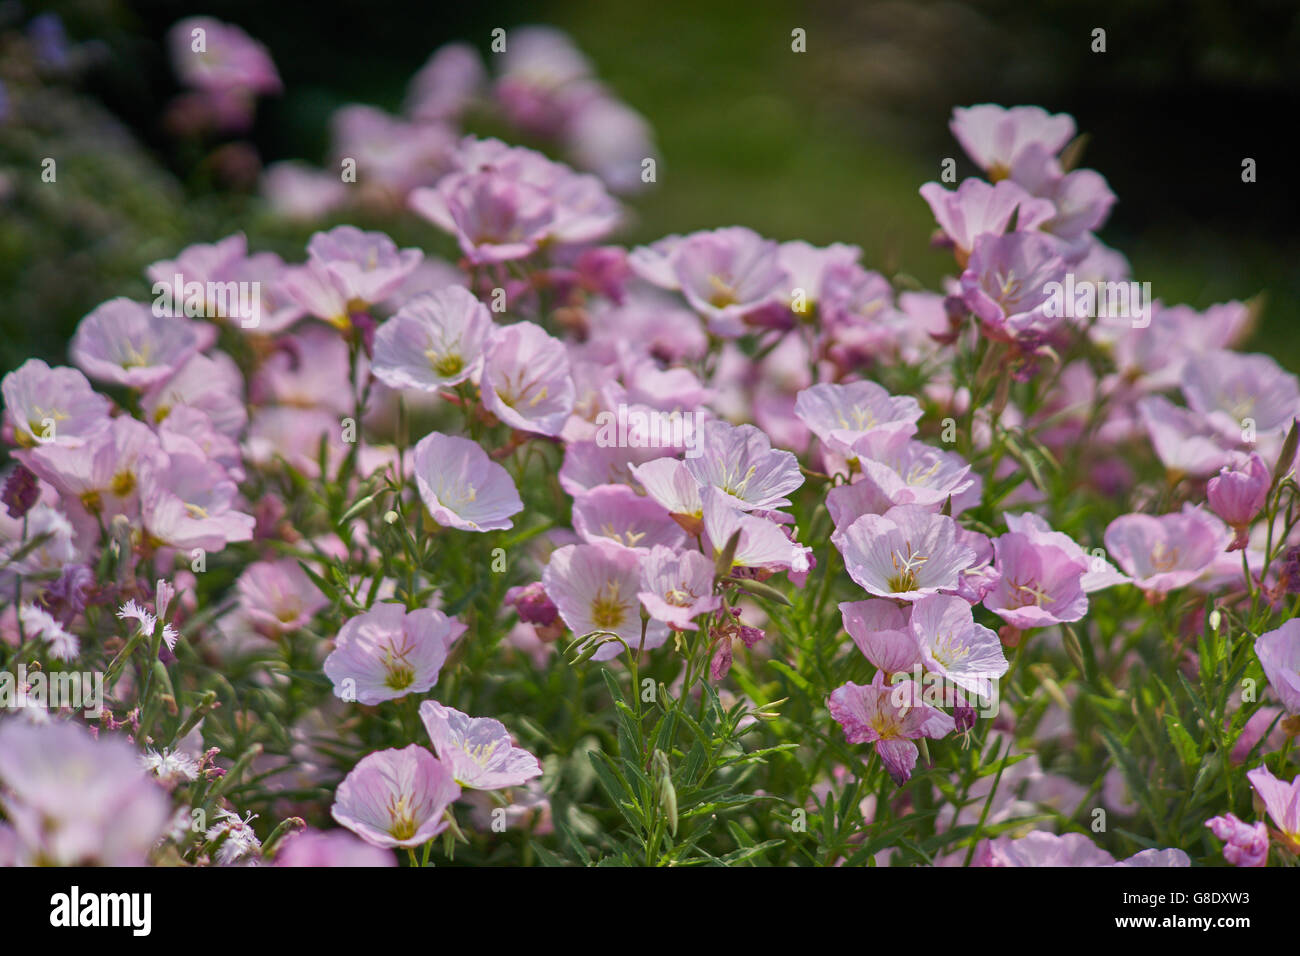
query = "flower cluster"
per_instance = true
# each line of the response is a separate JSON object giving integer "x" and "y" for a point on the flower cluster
{"x": 543, "y": 88}
{"x": 694, "y": 521}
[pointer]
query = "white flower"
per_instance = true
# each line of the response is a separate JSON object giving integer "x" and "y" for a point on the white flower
{"x": 240, "y": 841}
{"x": 147, "y": 622}
{"x": 39, "y": 623}
{"x": 170, "y": 767}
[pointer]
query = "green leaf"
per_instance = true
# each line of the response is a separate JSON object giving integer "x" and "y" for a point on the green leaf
{"x": 617, "y": 789}
{"x": 1188, "y": 752}
{"x": 746, "y": 853}
{"x": 762, "y": 589}
{"x": 793, "y": 676}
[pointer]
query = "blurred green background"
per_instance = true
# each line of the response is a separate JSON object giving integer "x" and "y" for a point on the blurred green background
{"x": 831, "y": 144}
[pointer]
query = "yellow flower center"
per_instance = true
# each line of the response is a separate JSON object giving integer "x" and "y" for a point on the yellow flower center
{"x": 403, "y": 825}
{"x": 607, "y": 609}
{"x": 904, "y": 577}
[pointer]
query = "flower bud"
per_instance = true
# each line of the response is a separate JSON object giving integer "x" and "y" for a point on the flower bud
{"x": 21, "y": 492}
{"x": 964, "y": 717}
{"x": 1238, "y": 493}
{"x": 532, "y": 604}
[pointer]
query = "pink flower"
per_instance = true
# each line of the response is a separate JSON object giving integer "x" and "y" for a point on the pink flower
{"x": 809, "y": 266}
{"x": 740, "y": 462}
{"x": 891, "y": 717}
{"x": 727, "y": 274}
{"x": 1262, "y": 722}
{"x": 840, "y": 415}
{"x": 1238, "y": 493}
{"x": 677, "y": 588}
{"x": 526, "y": 381}
{"x": 907, "y": 472}
{"x": 617, "y": 513}
{"x": 294, "y": 435}
{"x": 981, "y": 577}
{"x": 493, "y": 218}
{"x": 665, "y": 389}
{"x": 230, "y": 61}
{"x": 386, "y": 653}
{"x": 762, "y": 544}
{"x": 906, "y": 553}
{"x": 212, "y": 385}
{"x": 1101, "y": 573}
{"x": 654, "y": 263}
{"x": 101, "y": 476}
{"x": 880, "y": 630}
{"x": 330, "y": 848}
{"x": 435, "y": 340}
{"x": 396, "y": 798}
{"x": 588, "y": 465}
{"x": 461, "y": 486}
{"x": 202, "y": 262}
{"x": 312, "y": 289}
{"x": 1279, "y": 654}
{"x": 278, "y": 597}
{"x": 447, "y": 83}
{"x": 1184, "y": 441}
{"x": 477, "y": 750}
{"x": 580, "y": 209}
{"x": 670, "y": 483}
{"x": 1175, "y": 335}
{"x": 1244, "y": 844}
{"x": 976, "y": 209}
{"x": 544, "y": 81}
{"x": 396, "y": 155}
{"x": 542, "y": 77}
{"x": 305, "y": 372}
{"x": 595, "y": 587}
{"x": 994, "y": 137}
{"x": 74, "y": 800}
{"x": 300, "y": 192}
{"x": 52, "y": 405}
{"x": 1040, "y": 848}
{"x": 612, "y": 140}
{"x": 365, "y": 267}
{"x": 266, "y": 310}
{"x": 1282, "y": 801}
{"x": 859, "y": 315}
{"x": 188, "y": 431}
{"x": 659, "y": 323}
{"x": 1153, "y": 857}
{"x": 723, "y": 634}
{"x": 1006, "y": 284}
{"x": 1082, "y": 197}
{"x": 847, "y": 503}
{"x": 122, "y": 342}
{"x": 1166, "y": 552}
{"x": 1233, "y": 391}
{"x": 953, "y": 645}
{"x": 191, "y": 503}
{"x": 1038, "y": 583}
